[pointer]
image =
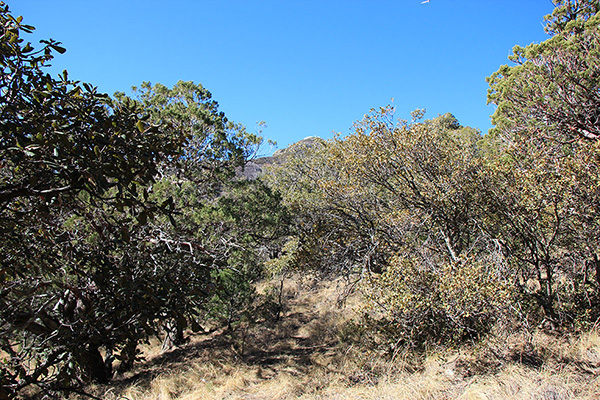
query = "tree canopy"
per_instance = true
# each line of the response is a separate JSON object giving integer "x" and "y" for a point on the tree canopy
{"x": 553, "y": 87}
{"x": 120, "y": 218}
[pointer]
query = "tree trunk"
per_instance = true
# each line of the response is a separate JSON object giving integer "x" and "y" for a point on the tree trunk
{"x": 94, "y": 369}
{"x": 127, "y": 356}
{"x": 174, "y": 334}
{"x": 597, "y": 267}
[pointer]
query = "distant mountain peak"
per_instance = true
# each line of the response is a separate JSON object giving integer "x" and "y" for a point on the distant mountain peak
{"x": 307, "y": 141}
{"x": 254, "y": 168}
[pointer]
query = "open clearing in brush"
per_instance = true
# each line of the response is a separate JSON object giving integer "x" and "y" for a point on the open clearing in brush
{"x": 303, "y": 356}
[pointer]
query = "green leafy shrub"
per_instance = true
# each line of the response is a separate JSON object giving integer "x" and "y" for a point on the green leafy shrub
{"x": 414, "y": 305}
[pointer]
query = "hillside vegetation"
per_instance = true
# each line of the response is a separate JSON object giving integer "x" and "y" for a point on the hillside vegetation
{"x": 312, "y": 352}
{"x": 148, "y": 254}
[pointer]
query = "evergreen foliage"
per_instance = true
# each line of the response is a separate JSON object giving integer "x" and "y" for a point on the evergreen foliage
{"x": 120, "y": 219}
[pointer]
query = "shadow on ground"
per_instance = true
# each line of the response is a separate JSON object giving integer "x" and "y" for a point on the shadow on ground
{"x": 294, "y": 340}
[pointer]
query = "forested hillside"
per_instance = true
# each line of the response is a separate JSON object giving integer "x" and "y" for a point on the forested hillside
{"x": 128, "y": 219}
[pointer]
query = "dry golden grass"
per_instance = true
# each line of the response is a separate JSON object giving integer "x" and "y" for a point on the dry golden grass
{"x": 237, "y": 381}
{"x": 301, "y": 357}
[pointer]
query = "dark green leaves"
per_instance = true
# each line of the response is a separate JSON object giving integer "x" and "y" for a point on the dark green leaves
{"x": 73, "y": 166}
{"x": 553, "y": 86}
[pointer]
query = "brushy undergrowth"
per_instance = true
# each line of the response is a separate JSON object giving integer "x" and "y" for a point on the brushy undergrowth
{"x": 309, "y": 353}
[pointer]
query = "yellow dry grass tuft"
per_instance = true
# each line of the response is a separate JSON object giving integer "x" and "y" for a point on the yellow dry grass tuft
{"x": 244, "y": 382}
{"x": 302, "y": 357}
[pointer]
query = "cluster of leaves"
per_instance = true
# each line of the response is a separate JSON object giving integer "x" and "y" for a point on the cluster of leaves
{"x": 446, "y": 304}
{"x": 544, "y": 162}
{"x": 119, "y": 219}
{"x": 553, "y": 88}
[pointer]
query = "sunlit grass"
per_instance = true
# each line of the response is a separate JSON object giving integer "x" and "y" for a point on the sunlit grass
{"x": 302, "y": 357}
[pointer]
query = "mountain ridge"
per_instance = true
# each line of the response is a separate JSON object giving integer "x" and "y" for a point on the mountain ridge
{"x": 254, "y": 168}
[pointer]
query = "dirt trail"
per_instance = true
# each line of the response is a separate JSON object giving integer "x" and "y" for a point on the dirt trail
{"x": 305, "y": 332}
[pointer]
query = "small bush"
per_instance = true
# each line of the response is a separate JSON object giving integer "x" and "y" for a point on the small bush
{"x": 416, "y": 306}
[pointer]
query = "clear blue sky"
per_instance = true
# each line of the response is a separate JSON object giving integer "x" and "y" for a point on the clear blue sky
{"x": 305, "y": 67}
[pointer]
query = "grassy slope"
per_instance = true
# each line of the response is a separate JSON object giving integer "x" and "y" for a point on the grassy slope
{"x": 302, "y": 357}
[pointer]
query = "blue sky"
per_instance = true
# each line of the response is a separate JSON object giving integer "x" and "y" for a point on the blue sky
{"x": 305, "y": 67}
